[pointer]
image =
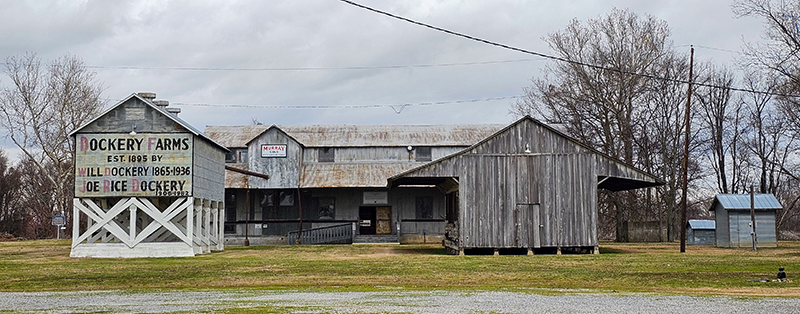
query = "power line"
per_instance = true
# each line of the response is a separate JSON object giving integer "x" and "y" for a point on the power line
{"x": 398, "y": 108}
{"x": 288, "y": 69}
{"x": 542, "y": 55}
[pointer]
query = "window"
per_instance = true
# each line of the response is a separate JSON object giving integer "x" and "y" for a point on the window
{"x": 423, "y": 153}
{"x": 326, "y": 154}
{"x": 230, "y": 211}
{"x": 230, "y": 157}
{"x": 277, "y": 204}
{"x": 236, "y": 155}
{"x": 325, "y": 208}
{"x": 424, "y": 207}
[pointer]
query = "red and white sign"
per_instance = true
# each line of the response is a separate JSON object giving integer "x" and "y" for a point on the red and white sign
{"x": 273, "y": 151}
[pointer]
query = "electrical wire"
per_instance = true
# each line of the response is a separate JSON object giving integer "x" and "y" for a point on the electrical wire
{"x": 542, "y": 55}
{"x": 398, "y": 108}
{"x": 313, "y": 68}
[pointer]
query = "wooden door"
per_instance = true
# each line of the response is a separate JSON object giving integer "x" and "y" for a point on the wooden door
{"x": 383, "y": 217}
{"x": 526, "y": 227}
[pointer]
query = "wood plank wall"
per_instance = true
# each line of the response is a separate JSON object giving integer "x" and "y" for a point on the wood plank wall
{"x": 512, "y": 198}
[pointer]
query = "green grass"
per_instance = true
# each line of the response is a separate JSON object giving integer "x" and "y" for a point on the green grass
{"x": 46, "y": 266}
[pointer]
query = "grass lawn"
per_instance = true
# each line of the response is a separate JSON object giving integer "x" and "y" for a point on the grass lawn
{"x": 45, "y": 265}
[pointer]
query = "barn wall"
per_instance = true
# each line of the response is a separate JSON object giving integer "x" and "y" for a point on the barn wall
{"x": 208, "y": 175}
{"x": 512, "y": 198}
{"x": 284, "y": 172}
{"x": 134, "y": 111}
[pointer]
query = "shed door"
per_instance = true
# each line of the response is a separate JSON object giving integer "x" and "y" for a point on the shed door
{"x": 527, "y": 212}
{"x": 526, "y": 229}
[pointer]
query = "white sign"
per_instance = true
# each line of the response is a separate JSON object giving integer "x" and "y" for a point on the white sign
{"x": 144, "y": 164}
{"x": 273, "y": 151}
{"x": 59, "y": 220}
{"x": 376, "y": 197}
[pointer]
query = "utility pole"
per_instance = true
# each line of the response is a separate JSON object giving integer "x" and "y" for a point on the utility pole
{"x": 753, "y": 218}
{"x": 686, "y": 153}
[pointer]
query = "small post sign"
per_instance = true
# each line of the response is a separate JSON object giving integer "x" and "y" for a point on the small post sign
{"x": 59, "y": 220}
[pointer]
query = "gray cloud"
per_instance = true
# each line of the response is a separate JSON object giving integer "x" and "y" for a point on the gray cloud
{"x": 325, "y": 33}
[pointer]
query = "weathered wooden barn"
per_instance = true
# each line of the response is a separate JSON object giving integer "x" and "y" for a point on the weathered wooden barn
{"x": 700, "y": 232}
{"x": 733, "y": 220}
{"x": 147, "y": 184}
{"x": 528, "y": 186}
{"x": 330, "y": 181}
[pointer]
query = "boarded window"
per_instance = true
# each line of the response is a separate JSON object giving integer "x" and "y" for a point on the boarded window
{"x": 424, "y": 207}
{"x": 423, "y": 154}
{"x": 326, "y": 154}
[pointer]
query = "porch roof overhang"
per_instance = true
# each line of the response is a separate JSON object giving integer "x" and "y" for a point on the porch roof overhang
{"x": 616, "y": 184}
{"x": 613, "y": 184}
{"x": 444, "y": 184}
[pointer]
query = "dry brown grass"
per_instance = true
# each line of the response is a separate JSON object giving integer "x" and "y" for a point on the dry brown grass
{"x": 652, "y": 267}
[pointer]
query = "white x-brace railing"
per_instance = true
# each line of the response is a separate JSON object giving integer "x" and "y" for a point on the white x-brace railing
{"x": 196, "y": 223}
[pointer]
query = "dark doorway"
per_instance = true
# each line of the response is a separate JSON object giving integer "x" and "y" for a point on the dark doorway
{"x": 366, "y": 220}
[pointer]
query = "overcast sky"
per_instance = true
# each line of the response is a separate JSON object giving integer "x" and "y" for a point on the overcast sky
{"x": 303, "y": 53}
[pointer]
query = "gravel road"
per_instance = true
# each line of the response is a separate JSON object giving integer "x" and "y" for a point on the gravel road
{"x": 386, "y": 302}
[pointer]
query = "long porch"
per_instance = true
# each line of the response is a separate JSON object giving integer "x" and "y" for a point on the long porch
{"x": 267, "y": 216}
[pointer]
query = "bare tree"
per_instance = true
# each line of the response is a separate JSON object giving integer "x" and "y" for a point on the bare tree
{"x": 718, "y": 123}
{"x": 782, "y": 33}
{"x": 11, "y": 209}
{"x": 40, "y": 108}
{"x": 598, "y": 97}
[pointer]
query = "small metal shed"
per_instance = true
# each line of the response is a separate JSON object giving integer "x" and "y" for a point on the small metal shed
{"x": 701, "y": 232}
{"x": 733, "y": 220}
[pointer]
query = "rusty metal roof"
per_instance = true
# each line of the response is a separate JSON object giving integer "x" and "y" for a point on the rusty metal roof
{"x": 389, "y": 135}
{"x": 360, "y": 135}
{"x": 234, "y": 136}
{"x": 318, "y": 175}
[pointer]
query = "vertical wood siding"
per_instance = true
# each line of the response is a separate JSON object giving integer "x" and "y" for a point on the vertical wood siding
{"x": 283, "y": 172}
{"x": 511, "y": 198}
{"x": 208, "y": 171}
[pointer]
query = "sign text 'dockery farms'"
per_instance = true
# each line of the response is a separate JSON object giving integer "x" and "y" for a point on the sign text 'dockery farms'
{"x": 133, "y": 165}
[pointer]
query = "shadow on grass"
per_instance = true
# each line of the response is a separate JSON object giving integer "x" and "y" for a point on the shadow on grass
{"x": 608, "y": 250}
{"x": 425, "y": 250}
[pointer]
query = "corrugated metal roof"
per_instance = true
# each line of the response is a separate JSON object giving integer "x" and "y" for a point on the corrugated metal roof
{"x": 702, "y": 224}
{"x": 319, "y": 175}
{"x": 742, "y": 202}
{"x": 389, "y": 135}
{"x": 234, "y": 136}
{"x": 360, "y": 135}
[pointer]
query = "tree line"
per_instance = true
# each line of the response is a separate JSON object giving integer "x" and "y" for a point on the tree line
{"x": 625, "y": 94}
